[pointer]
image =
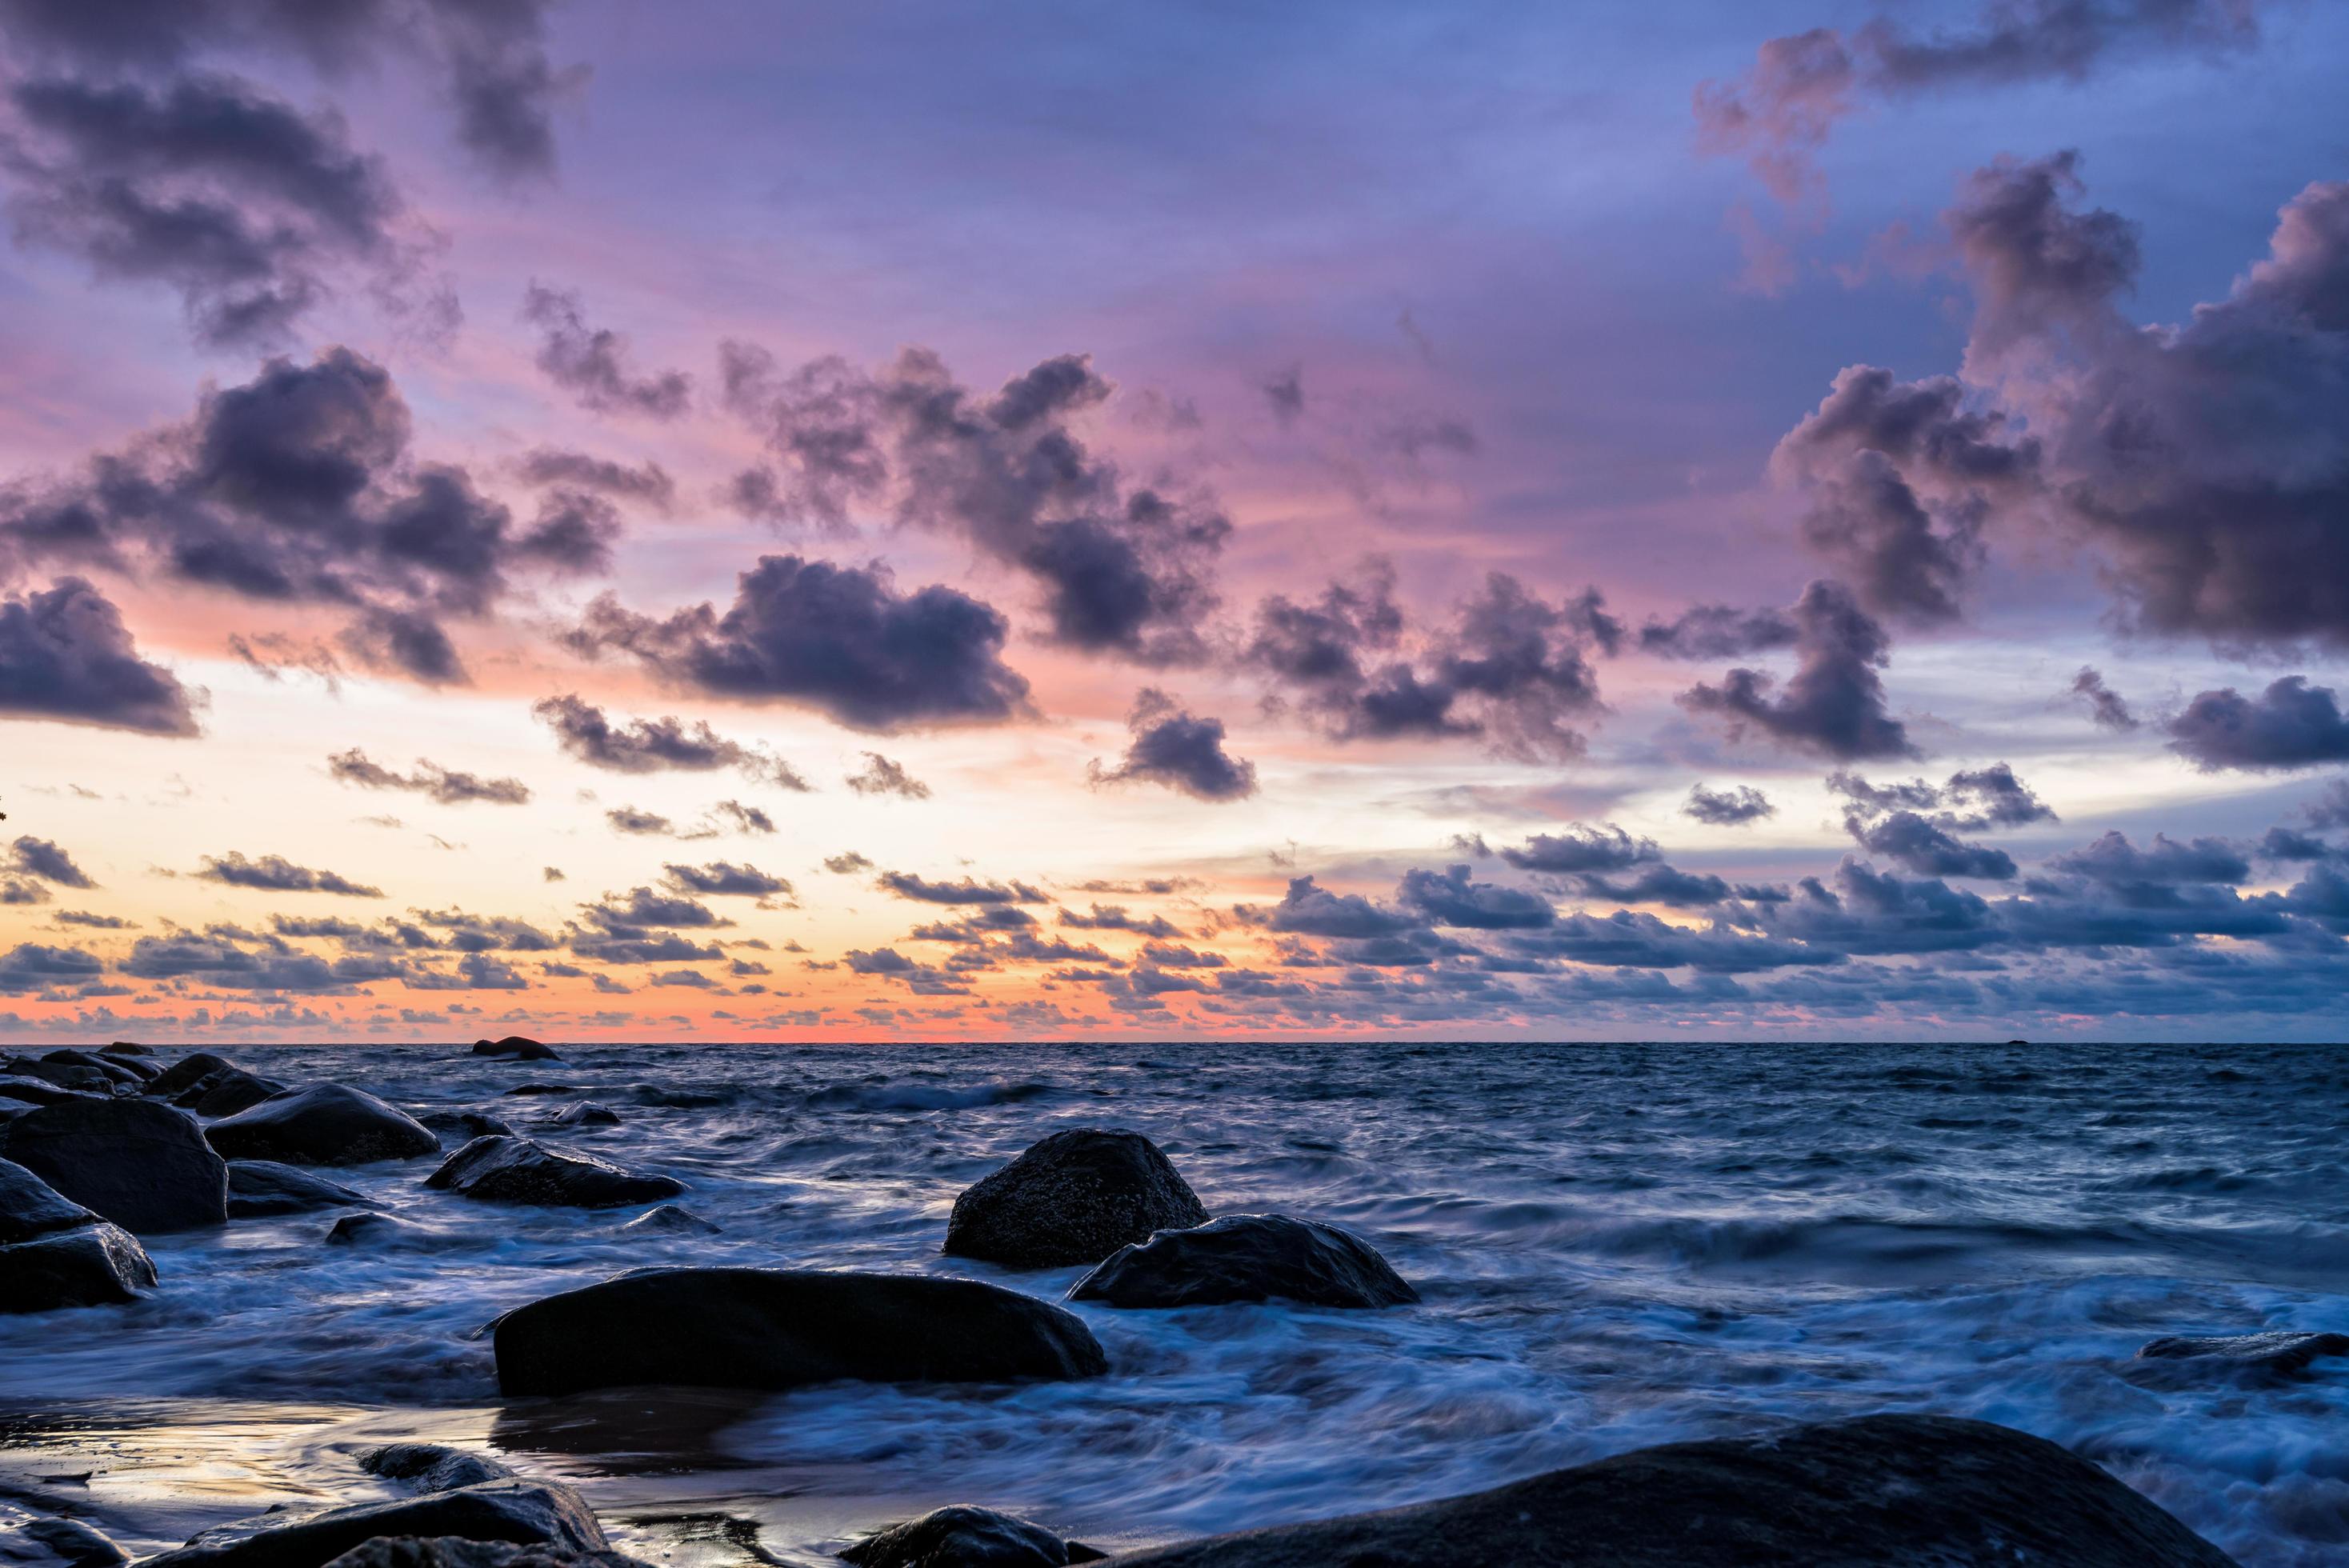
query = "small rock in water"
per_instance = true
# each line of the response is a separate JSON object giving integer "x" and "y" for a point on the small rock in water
{"x": 672, "y": 1221}
{"x": 517, "y": 1048}
{"x": 263, "y": 1189}
{"x": 467, "y": 1125}
{"x": 1074, "y": 1198}
{"x": 586, "y": 1113}
{"x": 326, "y": 1124}
{"x": 783, "y": 1328}
{"x": 373, "y": 1229}
{"x": 530, "y": 1088}
{"x": 1247, "y": 1258}
{"x": 523, "y": 1171}
{"x": 144, "y": 1166}
{"x": 2280, "y": 1351}
{"x": 964, "y": 1536}
{"x": 431, "y": 1466}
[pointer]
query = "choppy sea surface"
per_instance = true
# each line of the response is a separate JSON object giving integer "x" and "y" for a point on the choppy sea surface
{"x": 1619, "y": 1245}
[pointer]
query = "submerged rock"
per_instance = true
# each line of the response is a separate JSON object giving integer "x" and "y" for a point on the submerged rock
{"x": 326, "y": 1124}
{"x": 453, "y": 1552}
{"x": 467, "y": 1125}
{"x": 96, "y": 1264}
{"x": 586, "y": 1113}
{"x": 781, "y": 1328}
{"x": 1074, "y": 1198}
{"x": 2280, "y": 1351}
{"x": 144, "y": 1166}
{"x": 1247, "y": 1258}
{"x": 1881, "y": 1492}
{"x": 964, "y": 1536}
{"x": 431, "y": 1466}
{"x": 670, "y": 1219}
{"x": 523, "y": 1171}
{"x": 517, "y": 1048}
{"x": 369, "y": 1228}
{"x": 261, "y": 1189}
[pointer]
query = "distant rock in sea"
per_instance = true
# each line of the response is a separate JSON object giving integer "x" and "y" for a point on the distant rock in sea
{"x": 517, "y": 1048}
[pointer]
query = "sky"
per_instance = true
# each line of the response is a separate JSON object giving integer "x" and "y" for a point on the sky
{"x": 743, "y": 521}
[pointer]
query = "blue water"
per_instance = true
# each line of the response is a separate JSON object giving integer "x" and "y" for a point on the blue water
{"x": 1618, "y": 1246}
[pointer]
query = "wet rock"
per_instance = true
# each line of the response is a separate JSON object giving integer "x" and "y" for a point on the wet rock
{"x": 30, "y": 1207}
{"x": 523, "y": 1171}
{"x": 466, "y": 1125}
{"x": 38, "y": 1091}
{"x": 1074, "y": 1198}
{"x": 530, "y": 1088}
{"x": 374, "y": 1231}
{"x": 58, "y": 1543}
{"x": 2282, "y": 1352}
{"x": 187, "y": 1073}
{"x": 64, "y": 1075}
{"x": 116, "y": 1072}
{"x": 326, "y": 1124}
{"x": 964, "y": 1536}
{"x": 96, "y": 1264}
{"x": 1881, "y": 1492}
{"x": 517, "y": 1048}
{"x": 262, "y": 1188}
{"x": 1246, "y": 1258}
{"x": 227, "y": 1093}
{"x": 431, "y": 1466}
{"x": 127, "y": 1048}
{"x": 782, "y": 1328}
{"x": 144, "y": 1166}
{"x": 586, "y": 1113}
{"x": 516, "y": 1512}
{"x": 669, "y": 1220}
{"x": 450, "y": 1551}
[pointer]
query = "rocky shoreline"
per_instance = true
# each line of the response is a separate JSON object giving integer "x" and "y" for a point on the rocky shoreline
{"x": 100, "y": 1148}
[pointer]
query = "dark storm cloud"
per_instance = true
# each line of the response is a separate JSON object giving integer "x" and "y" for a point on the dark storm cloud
{"x": 274, "y": 873}
{"x": 906, "y": 884}
{"x": 36, "y": 966}
{"x": 298, "y": 487}
{"x": 1583, "y": 847}
{"x": 498, "y": 76}
{"x": 882, "y": 776}
{"x": 1717, "y": 632}
{"x": 839, "y": 639}
{"x": 1803, "y": 85}
{"x": 1123, "y": 569}
{"x": 1172, "y": 747}
{"x": 1307, "y": 909}
{"x": 556, "y": 468}
{"x": 2106, "y": 705}
{"x": 247, "y": 207}
{"x": 1728, "y": 807}
{"x": 429, "y": 780}
{"x": 592, "y": 363}
{"x": 1928, "y": 849}
{"x": 1891, "y": 820}
{"x": 39, "y": 857}
{"x": 1510, "y": 670}
{"x": 2290, "y": 724}
{"x": 2113, "y": 861}
{"x": 725, "y": 877}
{"x": 655, "y": 745}
{"x": 65, "y": 654}
{"x": 646, "y": 910}
{"x": 1833, "y": 704}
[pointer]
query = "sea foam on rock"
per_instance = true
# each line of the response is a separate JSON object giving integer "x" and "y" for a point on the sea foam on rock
{"x": 326, "y": 1124}
{"x": 1074, "y": 1198}
{"x": 781, "y": 1328}
{"x": 144, "y": 1166}
{"x": 1877, "y": 1492}
{"x": 524, "y": 1170}
{"x": 1247, "y": 1258}
{"x": 963, "y": 1536}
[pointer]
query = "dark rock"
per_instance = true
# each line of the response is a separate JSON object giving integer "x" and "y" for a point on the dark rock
{"x": 452, "y": 1552}
{"x": 188, "y": 1072}
{"x": 1074, "y": 1198}
{"x": 226, "y": 1093}
{"x": 530, "y": 1088}
{"x": 670, "y": 1219}
{"x": 144, "y": 1166}
{"x": 326, "y": 1124}
{"x": 89, "y": 1265}
{"x": 964, "y": 1536}
{"x": 1247, "y": 1257}
{"x": 39, "y": 1091}
{"x": 522, "y": 1512}
{"x": 466, "y": 1125}
{"x": 63, "y": 1543}
{"x": 523, "y": 1171}
{"x": 371, "y": 1230}
{"x": 1881, "y": 1491}
{"x": 516, "y": 1047}
{"x": 127, "y": 1048}
{"x": 64, "y": 1075}
{"x": 133, "y": 1058}
{"x": 586, "y": 1113}
{"x": 781, "y": 1328}
{"x": 30, "y": 1207}
{"x": 261, "y": 1189}
{"x": 431, "y": 1466}
{"x": 116, "y": 1072}
{"x": 2282, "y": 1352}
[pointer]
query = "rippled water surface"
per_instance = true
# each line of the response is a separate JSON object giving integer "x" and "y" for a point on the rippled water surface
{"x": 1619, "y": 1245}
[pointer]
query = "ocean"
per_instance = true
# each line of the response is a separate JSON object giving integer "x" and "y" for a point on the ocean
{"x": 1618, "y": 1246}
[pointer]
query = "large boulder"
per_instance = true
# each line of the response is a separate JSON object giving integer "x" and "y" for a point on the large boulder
{"x": 781, "y": 1328}
{"x": 64, "y": 1075}
{"x": 1881, "y": 1492}
{"x": 144, "y": 1166}
{"x": 524, "y": 1170}
{"x": 187, "y": 1073}
{"x": 226, "y": 1094}
{"x": 963, "y": 1536}
{"x": 516, "y": 1047}
{"x": 55, "y": 1254}
{"x": 326, "y": 1124}
{"x": 263, "y": 1189}
{"x": 30, "y": 1207}
{"x": 1074, "y": 1198}
{"x": 1247, "y": 1257}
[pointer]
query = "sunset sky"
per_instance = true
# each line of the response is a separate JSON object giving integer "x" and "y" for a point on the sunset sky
{"x": 739, "y": 520}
